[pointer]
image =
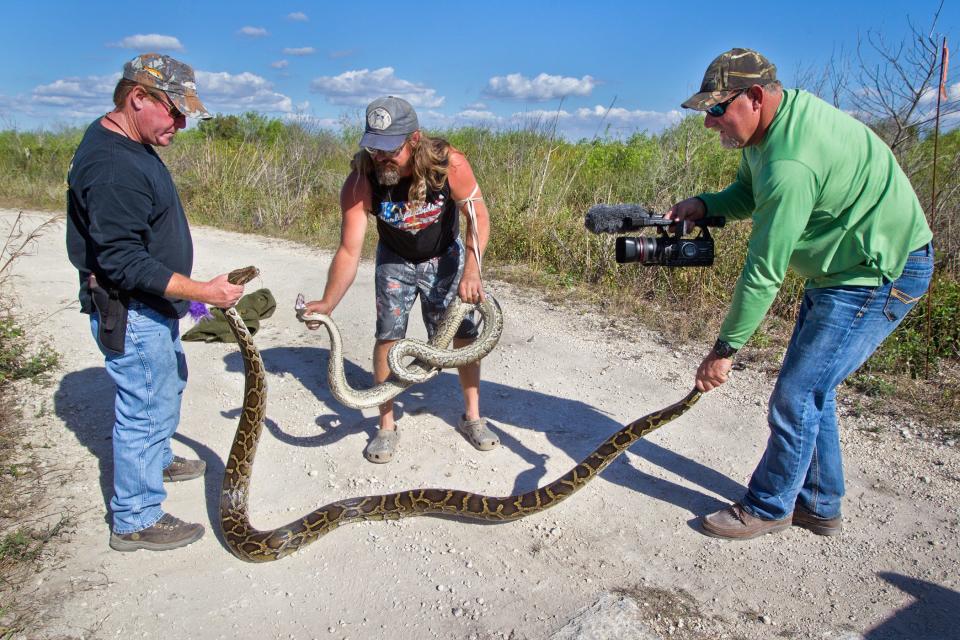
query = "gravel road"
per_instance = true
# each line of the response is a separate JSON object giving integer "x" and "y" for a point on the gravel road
{"x": 620, "y": 559}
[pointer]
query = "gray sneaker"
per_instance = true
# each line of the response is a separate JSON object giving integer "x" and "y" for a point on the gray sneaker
{"x": 182, "y": 469}
{"x": 166, "y": 533}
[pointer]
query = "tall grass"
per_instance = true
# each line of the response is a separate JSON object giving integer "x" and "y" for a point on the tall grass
{"x": 252, "y": 174}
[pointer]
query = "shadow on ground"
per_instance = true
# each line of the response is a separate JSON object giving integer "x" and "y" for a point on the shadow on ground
{"x": 934, "y": 615}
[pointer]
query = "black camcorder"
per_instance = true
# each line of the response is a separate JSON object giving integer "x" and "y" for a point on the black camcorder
{"x": 664, "y": 249}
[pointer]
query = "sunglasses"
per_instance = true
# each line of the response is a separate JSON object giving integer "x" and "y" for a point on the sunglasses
{"x": 172, "y": 109}
{"x": 718, "y": 110}
{"x": 373, "y": 153}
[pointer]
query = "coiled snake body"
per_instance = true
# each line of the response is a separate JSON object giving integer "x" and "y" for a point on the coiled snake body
{"x": 253, "y": 545}
{"x": 430, "y": 357}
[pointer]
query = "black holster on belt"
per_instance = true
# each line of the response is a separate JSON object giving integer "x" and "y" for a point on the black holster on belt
{"x": 112, "y": 305}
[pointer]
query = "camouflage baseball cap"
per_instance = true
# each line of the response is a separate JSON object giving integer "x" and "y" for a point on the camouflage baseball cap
{"x": 171, "y": 76}
{"x": 736, "y": 69}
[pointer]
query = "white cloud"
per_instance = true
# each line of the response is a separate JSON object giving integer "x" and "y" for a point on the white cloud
{"x": 221, "y": 91}
{"x": 149, "y": 42}
{"x": 253, "y": 32}
{"x": 297, "y": 16}
{"x": 76, "y": 97}
{"x": 588, "y": 122}
{"x": 541, "y": 114}
{"x": 476, "y": 114}
{"x": 637, "y": 118}
{"x": 544, "y": 87}
{"x": 299, "y": 51}
{"x": 361, "y": 86}
{"x": 280, "y": 64}
{"x": 480, "y": 106}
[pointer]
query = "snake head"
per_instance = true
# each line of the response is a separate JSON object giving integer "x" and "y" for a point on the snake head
{"x": 243, "y": 275}
{"x": 300, "y": 306}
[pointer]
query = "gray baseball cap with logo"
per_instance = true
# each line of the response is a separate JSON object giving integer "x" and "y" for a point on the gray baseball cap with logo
{"x": 389, "y": 121}
{"x": 172, "y": 77}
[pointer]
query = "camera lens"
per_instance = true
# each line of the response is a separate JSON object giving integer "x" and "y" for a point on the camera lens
{"x": 627, "y": 250}
{"x": 642, "y": 249}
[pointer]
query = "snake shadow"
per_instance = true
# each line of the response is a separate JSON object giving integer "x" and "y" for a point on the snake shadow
{"x": 573, "y": 426}
{"x": 84, "y": 401}
{"x": 934, "y": 614}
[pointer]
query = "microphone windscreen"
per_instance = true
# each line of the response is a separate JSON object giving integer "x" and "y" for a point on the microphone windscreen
{"x": 616, "y": 218}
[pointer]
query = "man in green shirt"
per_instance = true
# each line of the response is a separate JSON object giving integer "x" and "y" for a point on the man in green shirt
{"x": 826, "y": 197}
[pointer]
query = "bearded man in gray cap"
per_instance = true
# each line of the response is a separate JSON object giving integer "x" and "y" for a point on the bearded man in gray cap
{"x": 827, "y": 198}
{"x": 128, "y": 237}
{"x": 416, "y": 187}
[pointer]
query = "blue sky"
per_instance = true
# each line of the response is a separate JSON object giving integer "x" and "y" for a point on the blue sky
{"x": 494, "y": 63}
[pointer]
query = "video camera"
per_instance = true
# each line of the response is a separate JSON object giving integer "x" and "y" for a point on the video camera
{"x": 663, "y": 249}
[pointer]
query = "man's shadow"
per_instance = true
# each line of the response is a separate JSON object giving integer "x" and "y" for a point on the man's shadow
{"x": 85, "y": 403}
{"x": 934, "y": 615}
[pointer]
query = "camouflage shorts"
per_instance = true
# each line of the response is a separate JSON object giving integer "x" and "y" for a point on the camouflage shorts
{"x": 399, "y": 281}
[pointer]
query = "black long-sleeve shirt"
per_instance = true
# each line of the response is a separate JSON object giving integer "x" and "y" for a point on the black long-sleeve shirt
{"x": 125, "y": 222}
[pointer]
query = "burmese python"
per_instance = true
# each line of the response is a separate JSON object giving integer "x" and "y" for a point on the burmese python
{"x": 252, "y": 545}
{"x": 430, "y": 356}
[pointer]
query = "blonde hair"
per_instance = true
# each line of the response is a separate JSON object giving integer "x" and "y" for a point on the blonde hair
{"x": 431, "y": 160}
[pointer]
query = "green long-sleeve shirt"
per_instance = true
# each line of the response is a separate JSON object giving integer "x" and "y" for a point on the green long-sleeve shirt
{"x": 827, "y": 197}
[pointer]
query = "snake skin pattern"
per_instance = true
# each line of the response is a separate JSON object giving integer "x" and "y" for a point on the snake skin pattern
{"x": 430, "y": 356}
{"x": 253, "y": 545}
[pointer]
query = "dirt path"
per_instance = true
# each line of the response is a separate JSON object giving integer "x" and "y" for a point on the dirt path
{"x": 620, "y": 559}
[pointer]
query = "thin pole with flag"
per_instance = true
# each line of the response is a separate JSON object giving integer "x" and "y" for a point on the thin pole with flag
{"x": 941, "y": 95}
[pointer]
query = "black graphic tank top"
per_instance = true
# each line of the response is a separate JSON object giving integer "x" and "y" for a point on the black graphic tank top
{"x": 418, "y": 232}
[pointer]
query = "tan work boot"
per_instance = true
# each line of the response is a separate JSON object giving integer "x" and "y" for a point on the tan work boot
{"x": 734, "y": 523}
{"x": 182, "y": 469}
{"x": 166, "y": 533}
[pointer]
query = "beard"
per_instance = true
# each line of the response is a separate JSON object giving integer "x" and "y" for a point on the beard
{"x": 387, "y": 174}
{"x": 728, "y": 142}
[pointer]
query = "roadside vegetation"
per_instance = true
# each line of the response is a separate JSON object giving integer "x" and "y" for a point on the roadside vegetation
{"x": 24, "y": 532}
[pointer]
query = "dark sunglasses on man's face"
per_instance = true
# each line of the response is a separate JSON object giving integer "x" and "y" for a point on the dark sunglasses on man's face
{"x": 718, "y": 110}
{"x": 171, "y": 108}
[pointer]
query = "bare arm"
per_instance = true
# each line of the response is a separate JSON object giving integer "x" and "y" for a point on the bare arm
{"x": 462, "y": 183}
{"x": 354, "y": 204}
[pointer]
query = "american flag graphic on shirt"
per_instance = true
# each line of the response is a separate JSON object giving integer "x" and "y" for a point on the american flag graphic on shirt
{"x": 412, "y": 220}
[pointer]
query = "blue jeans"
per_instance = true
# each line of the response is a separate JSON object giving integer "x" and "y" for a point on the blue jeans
{"x": 150, "y": 378}
{"x": 837, "y": 329}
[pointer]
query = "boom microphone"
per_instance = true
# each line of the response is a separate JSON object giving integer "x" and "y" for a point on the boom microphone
{"x": 620, "y": 218}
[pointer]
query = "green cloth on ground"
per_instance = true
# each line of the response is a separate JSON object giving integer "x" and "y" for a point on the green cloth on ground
{"x": 252, "y": 308}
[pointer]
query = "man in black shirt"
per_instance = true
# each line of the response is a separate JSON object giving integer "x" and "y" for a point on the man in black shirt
{"x": 417, "y": 187}
{"x": 128, "y": 237}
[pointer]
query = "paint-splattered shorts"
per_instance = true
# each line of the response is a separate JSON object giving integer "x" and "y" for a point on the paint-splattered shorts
{"x": 399, "y": 281}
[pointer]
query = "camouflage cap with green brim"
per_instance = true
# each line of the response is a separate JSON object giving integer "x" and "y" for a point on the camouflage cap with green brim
{"x": 731, "y": 71}
{"x": 170, "y": 76}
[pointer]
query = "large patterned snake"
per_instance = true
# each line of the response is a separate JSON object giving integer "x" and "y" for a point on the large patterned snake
{"x": 253, "y": 545}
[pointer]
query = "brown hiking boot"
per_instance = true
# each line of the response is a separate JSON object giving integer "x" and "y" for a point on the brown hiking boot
{"x": 166, "y": 533}
{"x": 734, "y": 523}
{"x": 182, "y": 469}
{"x": 803, "y": 517}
